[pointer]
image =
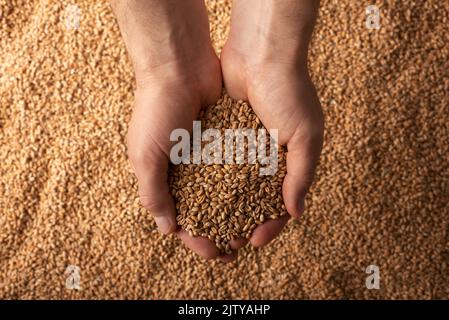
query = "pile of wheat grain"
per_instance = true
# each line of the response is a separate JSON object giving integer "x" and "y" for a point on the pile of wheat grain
{"x": 223, "y": 202}
{"x": 69, "y": 198}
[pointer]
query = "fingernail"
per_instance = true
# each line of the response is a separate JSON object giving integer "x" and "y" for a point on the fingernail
{"x": 163, "y": 224}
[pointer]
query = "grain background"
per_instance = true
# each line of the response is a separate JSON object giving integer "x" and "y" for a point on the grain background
{"x": 68, "y": 196}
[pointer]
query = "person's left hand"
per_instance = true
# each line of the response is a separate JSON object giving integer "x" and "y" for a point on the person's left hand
{"x": 284, "y": 98}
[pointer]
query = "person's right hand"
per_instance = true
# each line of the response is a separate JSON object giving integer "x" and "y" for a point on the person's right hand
{"x": 177, "y": 72}
{"x": 167, "y": 98}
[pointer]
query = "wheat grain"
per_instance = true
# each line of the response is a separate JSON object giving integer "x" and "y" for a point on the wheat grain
{"x": 233, "y": 190}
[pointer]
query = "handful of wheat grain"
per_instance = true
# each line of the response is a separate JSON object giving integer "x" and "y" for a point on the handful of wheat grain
{"x": 226, "y": 201}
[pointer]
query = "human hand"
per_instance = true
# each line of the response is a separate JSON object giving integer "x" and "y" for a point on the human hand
{"x": 175, "y": 77}
{"x": 177, "y": 72}
{"x": 166, "y": 99}
{"x": 265, "y": 62}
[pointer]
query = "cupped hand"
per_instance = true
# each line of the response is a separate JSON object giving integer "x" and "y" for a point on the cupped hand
{"x": 284, "y": 98}
{"x": 167, "y": 98}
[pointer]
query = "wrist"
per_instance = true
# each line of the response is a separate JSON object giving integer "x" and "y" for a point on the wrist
{"x": 157, "y": 32}
{"x": 183, "y": 68}
{"x": 277, "y": 30}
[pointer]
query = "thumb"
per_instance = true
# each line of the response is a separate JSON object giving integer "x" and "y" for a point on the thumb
{"x": 303, "y": 151}
{"x": 151, "y": 171}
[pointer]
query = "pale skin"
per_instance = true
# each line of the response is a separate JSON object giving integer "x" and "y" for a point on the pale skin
{"x": 177, "y": 71}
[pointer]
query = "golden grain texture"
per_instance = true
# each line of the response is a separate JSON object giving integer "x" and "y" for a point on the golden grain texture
{"x": 222, "y": 201}
{"x": 380, "y": 197}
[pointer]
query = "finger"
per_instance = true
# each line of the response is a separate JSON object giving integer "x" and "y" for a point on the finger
{"x": 200, "y": 245}
{"x": 267, "y": 231}
{"x": 151, "y": 172}
{"x": 238, "y": 243}
{"x": 302, "y": 158}
{"x": 226, "y": 258}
